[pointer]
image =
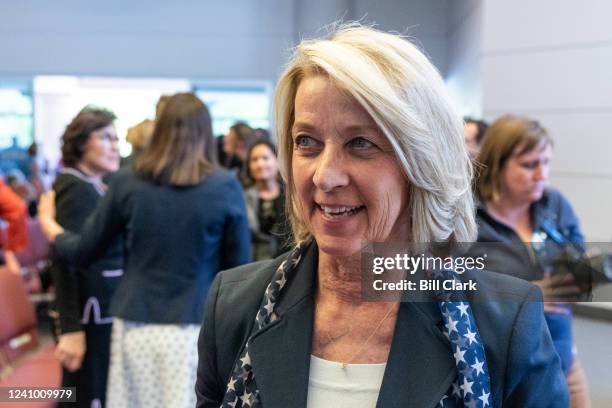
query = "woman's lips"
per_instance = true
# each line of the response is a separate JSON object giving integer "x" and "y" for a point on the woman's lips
{"x": 338, "y": 212}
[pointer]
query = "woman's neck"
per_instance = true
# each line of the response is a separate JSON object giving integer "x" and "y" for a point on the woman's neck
{"x": 516, "y": 217}
{"x": 339, "y": 279}
{"x": 269, "y": 188}
{"x": 347, "y": 329}
{"x": 89, "y": 172}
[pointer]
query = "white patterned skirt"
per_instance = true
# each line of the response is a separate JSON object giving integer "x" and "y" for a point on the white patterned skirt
{"x": 152, "y": 365}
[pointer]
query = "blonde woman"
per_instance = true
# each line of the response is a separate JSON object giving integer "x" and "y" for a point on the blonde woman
{"x": 371, "y": 151}
{"x": 139, "y": 136}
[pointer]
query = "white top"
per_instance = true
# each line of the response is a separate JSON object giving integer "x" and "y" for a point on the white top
{"x": 357, "y": 385}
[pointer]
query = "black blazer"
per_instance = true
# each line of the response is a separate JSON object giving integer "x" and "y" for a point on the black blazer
{"x": 176, "y": 239}
{"x": 523, "y": 365}
{"x": 76, "y": 198}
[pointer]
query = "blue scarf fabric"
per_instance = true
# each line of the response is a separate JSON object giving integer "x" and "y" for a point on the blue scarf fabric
{"x": 471, "y": 388}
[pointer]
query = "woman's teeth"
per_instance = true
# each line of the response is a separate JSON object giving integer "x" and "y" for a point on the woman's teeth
{"x": 339, "y": 211}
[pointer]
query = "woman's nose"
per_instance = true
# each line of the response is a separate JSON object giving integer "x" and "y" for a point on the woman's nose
{"x": 541, "y": 172}
{"x": 331, "y": 171}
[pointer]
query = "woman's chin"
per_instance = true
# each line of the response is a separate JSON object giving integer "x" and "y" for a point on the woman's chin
{"x": 339, "y": 247}
{"x": 536, "y": 196}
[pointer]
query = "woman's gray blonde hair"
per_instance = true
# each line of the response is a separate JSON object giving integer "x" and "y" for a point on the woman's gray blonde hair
{"x": 406, "y": 97}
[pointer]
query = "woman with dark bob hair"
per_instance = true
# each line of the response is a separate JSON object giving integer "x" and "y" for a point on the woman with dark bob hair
{"x": 520, "y": 211}
{"x": 83, "y": 294}
{"x": 372, "y": 151}
{"x": 182, "y": 220}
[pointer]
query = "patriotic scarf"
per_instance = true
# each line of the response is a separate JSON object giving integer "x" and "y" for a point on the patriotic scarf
{"x": 471, "y": 388}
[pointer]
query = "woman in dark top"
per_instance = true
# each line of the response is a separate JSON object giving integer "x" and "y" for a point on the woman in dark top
{"x": 265, "y": 202}
{"x": 518, "y": 209}
{"x": 89, "y": 152}
{"x": 182, "y": 220}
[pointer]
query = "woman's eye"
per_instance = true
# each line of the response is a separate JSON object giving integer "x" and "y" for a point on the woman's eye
{"x": 361, "y": 143}
{"x": 305, "y": 142}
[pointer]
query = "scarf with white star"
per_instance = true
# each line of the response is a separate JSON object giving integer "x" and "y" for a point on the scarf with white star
{"x": 471, "y": 388}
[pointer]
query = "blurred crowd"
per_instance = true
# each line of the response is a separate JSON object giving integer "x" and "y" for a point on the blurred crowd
{"x": 113, "y": 214}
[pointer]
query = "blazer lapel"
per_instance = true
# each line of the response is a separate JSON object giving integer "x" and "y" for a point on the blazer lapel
{"x": 420, "y": 368}
{"x": 280, "y": 352}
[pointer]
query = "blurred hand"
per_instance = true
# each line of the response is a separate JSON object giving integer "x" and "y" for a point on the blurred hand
{"x": 46, "y": 205}
{"x": 70, "y": 350}
{"x": 12, "y": 263}
{"x": 559, "y": 288}
{"x": 46, "y": 216}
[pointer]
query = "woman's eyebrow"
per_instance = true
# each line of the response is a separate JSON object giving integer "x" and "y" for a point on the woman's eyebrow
{"x": 347, "y": 131}
{"x": 361, "y": 128}
{"x": 297, "y": 126}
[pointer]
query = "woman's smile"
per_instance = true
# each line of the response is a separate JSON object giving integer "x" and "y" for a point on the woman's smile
{"x": 335, "y": 212}
{"x": 349, "y": 184}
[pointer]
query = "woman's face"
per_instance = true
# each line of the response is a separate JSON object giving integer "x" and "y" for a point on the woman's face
{"x": 101, "y": 155}
{"x": 263, "y": 164}
{"x": 349, "y": 186}
{"x": 524, "y": 176}
{"x": 229, "y": 143}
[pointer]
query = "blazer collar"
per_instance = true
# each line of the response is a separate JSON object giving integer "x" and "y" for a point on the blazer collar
{"x": 419, "y": 371}
{"x": 420, "y": 368}
{"x": 280, "y": 352}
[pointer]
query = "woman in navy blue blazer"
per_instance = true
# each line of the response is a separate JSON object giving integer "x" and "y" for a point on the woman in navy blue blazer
{"x": 182, "y": 220}
{"x": 372, "y": 151}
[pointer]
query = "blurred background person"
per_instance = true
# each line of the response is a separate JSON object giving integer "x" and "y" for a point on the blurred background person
{"x": 265, "y": 201}
{"x": 519, "y": 209}
{"x": 139, "y": 136}
{"x": 38, "y": 168}
{"x": 83, "y": 294}
{"x": 261, "y": 134}
{"x": 473, "y": 132}
{"x": 14, "y": 158}
{"x": 182, "y": 220}
{"x": 24, "y": 189}
{"x": 14, "y": 237}
{"x": 160, "y": 105}
{"x": 236, "y": 146}
{"x": 220, "y": 148}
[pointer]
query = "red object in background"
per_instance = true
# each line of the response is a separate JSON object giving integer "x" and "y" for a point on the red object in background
{"x": 18, "y": 326}
{"x": 14, "y": 211}
{"x": 23, "y": 363}
{"x": 37, "y": 249}
{"x": 34, "y": 258}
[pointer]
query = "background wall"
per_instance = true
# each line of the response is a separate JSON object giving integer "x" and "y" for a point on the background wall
{"x": 464, "y": 49}
{"x": 552, "y": 60}
{"x": 238, "y": 39}
{"x": 190, "y": 38}
{"x": 202, "y": 41}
